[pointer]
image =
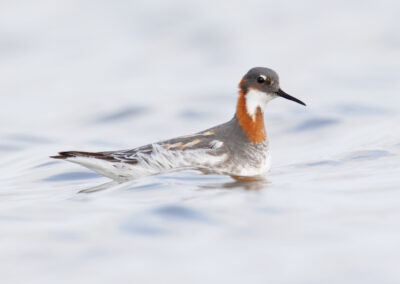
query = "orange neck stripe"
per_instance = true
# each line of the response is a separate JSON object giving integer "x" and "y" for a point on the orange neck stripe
{"x": 254, "y": 129}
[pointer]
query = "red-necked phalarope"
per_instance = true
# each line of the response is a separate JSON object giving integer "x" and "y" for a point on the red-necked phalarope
{"x": 238, "y": 148}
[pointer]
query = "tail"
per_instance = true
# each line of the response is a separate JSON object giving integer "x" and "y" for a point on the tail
{"x": 101, "y": 162}
{"x": 78, "y": 154}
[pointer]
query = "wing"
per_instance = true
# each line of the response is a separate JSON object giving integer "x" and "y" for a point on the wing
{"x": 205, "y": 140}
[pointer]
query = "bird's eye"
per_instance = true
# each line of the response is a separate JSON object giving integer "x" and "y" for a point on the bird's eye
{"x": 261, "y": 79}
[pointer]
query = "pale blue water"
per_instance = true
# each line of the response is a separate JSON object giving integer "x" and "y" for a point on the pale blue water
{"x": 95, "y": 75}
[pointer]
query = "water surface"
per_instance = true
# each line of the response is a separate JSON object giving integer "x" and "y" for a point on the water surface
{"x": 106, "y": 76}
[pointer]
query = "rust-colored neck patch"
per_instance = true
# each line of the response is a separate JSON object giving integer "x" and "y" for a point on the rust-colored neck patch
{"x": 254, "y": 128}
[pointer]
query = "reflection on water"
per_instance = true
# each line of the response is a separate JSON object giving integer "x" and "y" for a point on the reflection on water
{"x": 99, "y": 187}
{"x": 247, "y": 185}
{"x": 136, "y": 185}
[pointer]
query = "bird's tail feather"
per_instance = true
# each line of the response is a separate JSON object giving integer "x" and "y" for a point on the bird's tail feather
{"x": 77, "y": 154}
{"x": 101, "y": 162}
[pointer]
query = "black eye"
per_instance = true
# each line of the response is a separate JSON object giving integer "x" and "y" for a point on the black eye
{"x": 260, "y": 79}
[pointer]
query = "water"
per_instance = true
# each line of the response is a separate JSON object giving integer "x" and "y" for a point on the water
{"x": 96, "y": 75}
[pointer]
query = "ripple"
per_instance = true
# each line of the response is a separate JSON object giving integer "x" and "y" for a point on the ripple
{"x": 323, "y": 163}
{"x": 69, "y": 236}
{"x": 192, "y": 114}
{"x": 72, "y": 176}
{"x": 153, "y": 185}
{"x": 354, "y": 156}
{"x": 315, "y": 123}
{"x": 122, "y": 114}
{"x": 33, "y": 139}
{"x": 46, "y": 164}
{"x": 9, "y": 148}
{"x": 137, "y": 226}
{"x": 368, "y": 154}
{"x": 181, "y": 213}
{"x": 100, "y": 187}
{"x": 357, "y": 110}
{"x": 272, "y": 211}
{"x": 12, "y": 218}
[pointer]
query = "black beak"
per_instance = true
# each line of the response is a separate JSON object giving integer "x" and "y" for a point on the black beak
{"x": 289, "y": 97}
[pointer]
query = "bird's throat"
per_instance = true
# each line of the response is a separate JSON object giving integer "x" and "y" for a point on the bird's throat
{"x": 251, "y": 123}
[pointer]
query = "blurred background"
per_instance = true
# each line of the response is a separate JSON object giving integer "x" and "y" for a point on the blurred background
{"x": 109, "y": 75}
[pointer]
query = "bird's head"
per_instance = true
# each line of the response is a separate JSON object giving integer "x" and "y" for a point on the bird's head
{"x": 261, "y": 85}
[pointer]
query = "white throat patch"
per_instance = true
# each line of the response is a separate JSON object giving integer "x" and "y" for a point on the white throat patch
{"x": 255, "y": 99}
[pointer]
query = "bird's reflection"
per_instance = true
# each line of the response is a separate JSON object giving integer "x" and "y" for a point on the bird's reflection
{"x": 100, "y": 187}
{"x": 247, "y": 183}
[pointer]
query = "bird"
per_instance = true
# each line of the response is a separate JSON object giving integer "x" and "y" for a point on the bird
{"x": 238, "y": 148}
